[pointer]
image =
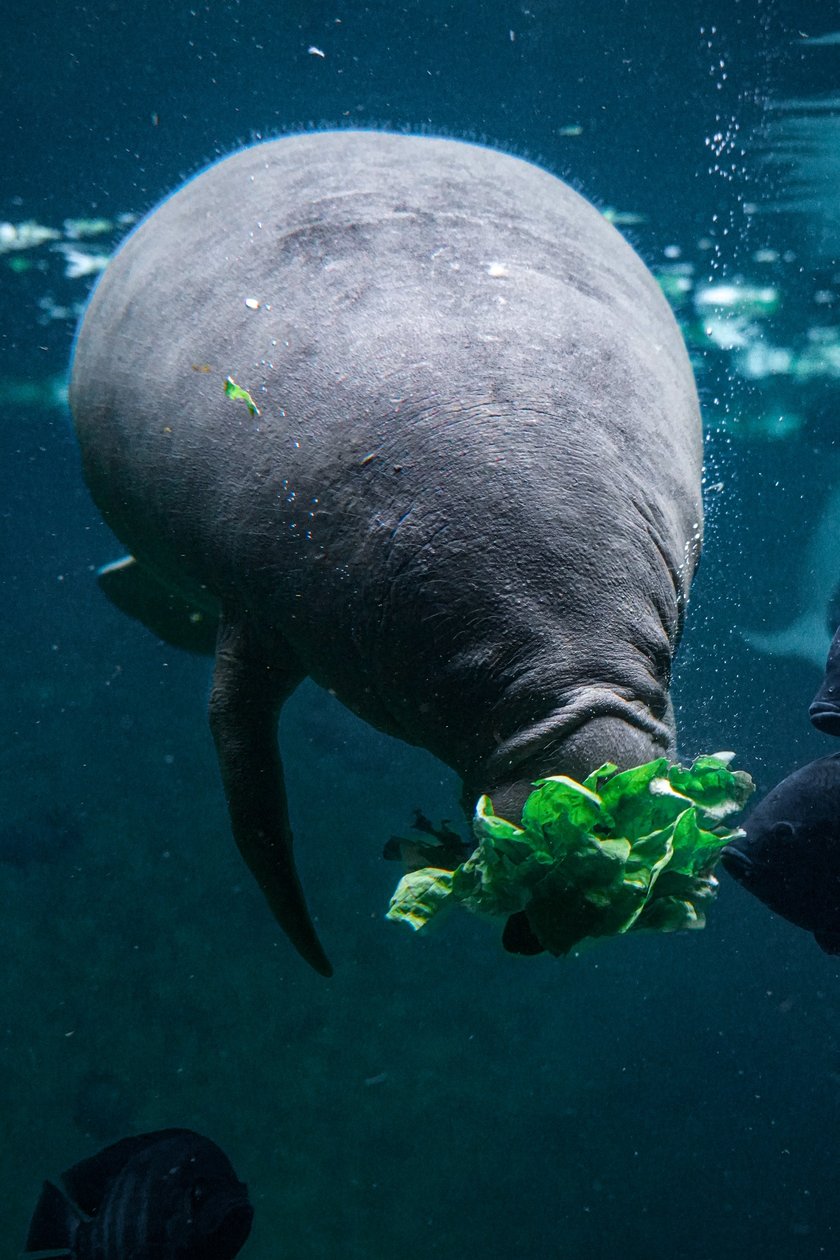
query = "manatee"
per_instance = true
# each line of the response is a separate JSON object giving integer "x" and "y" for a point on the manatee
{"x": 462, "y": 493}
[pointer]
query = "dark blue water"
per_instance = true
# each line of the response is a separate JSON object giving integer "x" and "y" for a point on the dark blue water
{"x": 652, "y": 1098}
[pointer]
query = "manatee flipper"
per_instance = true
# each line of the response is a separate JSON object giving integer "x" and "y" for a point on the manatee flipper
{"x": 249, "y": 689}
{"x": 133, "y": 589}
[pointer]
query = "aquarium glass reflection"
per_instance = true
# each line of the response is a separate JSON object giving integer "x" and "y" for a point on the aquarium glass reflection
{"x": 651, "y": 1095}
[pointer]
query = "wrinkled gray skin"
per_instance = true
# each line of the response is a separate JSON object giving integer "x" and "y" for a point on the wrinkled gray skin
{"x": 470, "y": 504}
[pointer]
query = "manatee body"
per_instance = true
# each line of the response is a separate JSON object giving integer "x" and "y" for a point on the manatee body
{"x": 468, "y": 500}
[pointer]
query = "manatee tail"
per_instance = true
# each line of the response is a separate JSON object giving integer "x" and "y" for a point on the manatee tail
{"x": 248, "y": 692}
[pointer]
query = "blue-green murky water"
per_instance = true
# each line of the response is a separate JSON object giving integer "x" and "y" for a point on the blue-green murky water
{"x": 650, "y": 1099}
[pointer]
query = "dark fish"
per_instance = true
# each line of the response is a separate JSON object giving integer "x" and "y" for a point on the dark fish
{"x": 790, "y": 856}
{"x": 170, "y": 1195}
{"x": 825, "y": 706}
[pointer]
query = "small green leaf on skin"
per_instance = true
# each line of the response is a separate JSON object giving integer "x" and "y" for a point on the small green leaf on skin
{"x": 240, "y": 395}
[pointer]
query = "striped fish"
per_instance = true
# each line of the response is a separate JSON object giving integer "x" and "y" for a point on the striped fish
{"x": 169, "y": 1195}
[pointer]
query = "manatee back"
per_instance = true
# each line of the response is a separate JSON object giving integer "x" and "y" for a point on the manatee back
{"x": 476, "y": 414}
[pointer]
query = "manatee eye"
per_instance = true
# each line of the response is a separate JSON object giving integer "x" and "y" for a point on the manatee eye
{"x": 783, "y": 831}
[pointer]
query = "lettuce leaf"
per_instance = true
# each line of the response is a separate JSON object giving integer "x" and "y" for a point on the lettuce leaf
{"x": 238, "y": 394}
{"x": 623, "y": 851}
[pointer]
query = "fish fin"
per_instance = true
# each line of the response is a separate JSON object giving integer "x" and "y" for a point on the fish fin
{"x": 136, "y": 591}
{"x": 829, "y": 942}
{"x": 249, "y": 689}
{"x": 87, "y": 1182}
{"x": 54, "y": 1223}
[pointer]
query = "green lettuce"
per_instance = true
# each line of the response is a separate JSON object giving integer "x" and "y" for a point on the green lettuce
{"x": 238, "y": 394}
{"x": 622, "y": 851}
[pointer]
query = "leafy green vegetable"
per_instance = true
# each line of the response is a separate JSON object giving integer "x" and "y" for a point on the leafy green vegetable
{"x": 622, "y": 851}
{"x": 241, "y": 395}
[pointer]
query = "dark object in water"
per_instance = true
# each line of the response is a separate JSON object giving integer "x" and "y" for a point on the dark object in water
{"x": 790, "y": 856}
{"x": 169, "y": 1195}
{"x": 42, "y": 836}
{"x": 825, "y": 706}
{"x": 519, "y": 937}
{"x": 442, "y": 847}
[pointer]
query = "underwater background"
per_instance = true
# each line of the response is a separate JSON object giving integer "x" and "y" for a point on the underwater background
{"x": 650, "y": 1097}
